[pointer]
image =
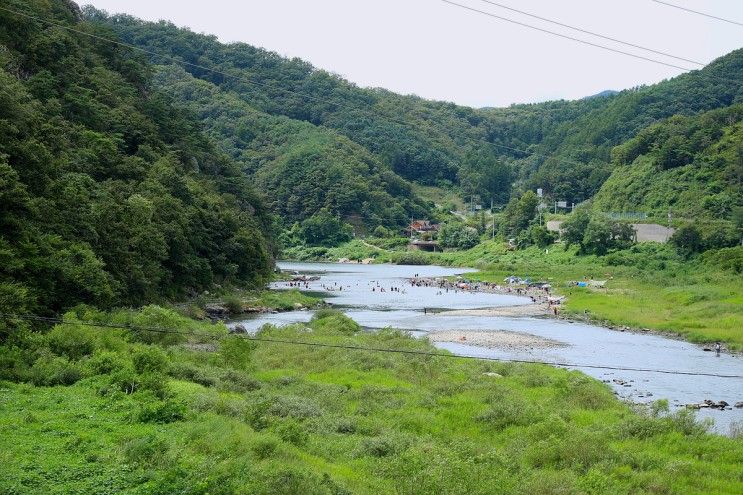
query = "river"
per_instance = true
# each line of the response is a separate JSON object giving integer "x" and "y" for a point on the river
{"x": 579, "y": 343}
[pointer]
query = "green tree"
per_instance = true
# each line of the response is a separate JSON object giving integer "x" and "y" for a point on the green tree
{"x": 519, "y": 213}
{"x": 687, "y": 239}
{"x": 325, "y": 229}
{"x": 597, "y": 237}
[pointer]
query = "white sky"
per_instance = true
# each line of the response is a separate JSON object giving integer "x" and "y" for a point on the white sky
{"x": 439, "y": 51}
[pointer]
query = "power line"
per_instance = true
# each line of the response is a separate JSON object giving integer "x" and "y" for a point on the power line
{"x": 698, "y": 13}
{"x": 554, "y": 33}
{"x": 303, "y": 95}
{"x": 60, "y": 321}
{"x": 592, "y": 33}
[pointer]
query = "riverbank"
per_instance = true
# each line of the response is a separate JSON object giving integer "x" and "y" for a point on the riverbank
{"x": 136, "y": 412}
{"x": 234, "y": 303}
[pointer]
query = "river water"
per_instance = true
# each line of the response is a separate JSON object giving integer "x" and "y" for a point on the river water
{"x": 583, "y": 344}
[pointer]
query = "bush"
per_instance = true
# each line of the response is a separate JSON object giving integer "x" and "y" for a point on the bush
{"x": 458, "y": 235}
{"x": 235, "y": 351}
{"x": 238, "y": 382}
{"x": 106, "y": 362}
{"x": 150, "y": 450}
{"x": 730, "y": 259}
{"x": 233, "y": 304}
{"x": 161, "y": 412}
{"x": 412, "y": 258}
{"x": 335, "y": 322}
{"x": 73, "y": 341}
{"x": 382, "y": 446}
{"x": 54, "y": 370}
{"x": 157, "y": 317}
{"x": 149, "y": 359}
{"x": 687, "y": 239}
{"x": 192, "y": 373}
{"x": 292, "y": 432}
{"x": 381, "y": 232}
{"x": 294, "y": 407}
{"x": 265, "y": 447}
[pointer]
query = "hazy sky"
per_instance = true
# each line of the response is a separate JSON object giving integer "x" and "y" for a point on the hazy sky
{"x": 439, "y": 51}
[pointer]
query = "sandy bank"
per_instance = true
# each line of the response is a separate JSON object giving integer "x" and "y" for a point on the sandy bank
{"x": 494, "y": 339}
{"x": 519, "y": 310}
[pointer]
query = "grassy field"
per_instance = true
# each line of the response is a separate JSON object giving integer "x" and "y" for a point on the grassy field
{"x": 118, "y": 414}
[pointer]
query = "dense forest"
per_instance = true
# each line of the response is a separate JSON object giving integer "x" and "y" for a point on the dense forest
{"x": 691, "y": 165}
{"x": 563, "y": 147}
{"x": 302, "y": 167}
{"x": 110, "y": 194}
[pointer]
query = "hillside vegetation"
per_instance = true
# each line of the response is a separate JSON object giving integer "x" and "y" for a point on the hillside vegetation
{"x": 110, "y": 194}
{"x": 303, "y": 168}
{"x": 438, "y": 143}
{"x": 690, "y": 165}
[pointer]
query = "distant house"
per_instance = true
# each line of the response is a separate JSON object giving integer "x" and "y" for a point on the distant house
{"x": 421, "y": 226}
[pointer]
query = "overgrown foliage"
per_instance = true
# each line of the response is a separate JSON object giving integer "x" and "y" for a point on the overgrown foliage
{"x": 232, "y": 416}
{"x": 110, "y": 194}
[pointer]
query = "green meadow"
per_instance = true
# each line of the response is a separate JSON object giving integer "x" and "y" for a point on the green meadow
{"x": 99, "y": 410}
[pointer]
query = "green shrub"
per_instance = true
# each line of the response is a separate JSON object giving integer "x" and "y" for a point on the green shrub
{"x": 233, "y": 304}
{"x": 72, "y": 341}
{"x": 235, "y": 351}
{"x": 325, "y": 313}
{"x": 54, "y": 370}
{"x": 156, "y": 317}
{"x": 161, "y": 412}
{"x": 265, "y": 447}
{"x": 150, "y": 450}
{"x": 107, "y": 362}
{"x": 293, "y": 432}
{"x": 412, "y": 258}
{"x": 234, "y": 381}
{"x": 155, "y": 382}
{"x": 124, "y": 380}
{"x": 192, "y": 373}
{"x": 290, "y": 406}
{"x": 381, "y": 446}
{"x": 334, "y": 322}
{"x": 149, "y": 359}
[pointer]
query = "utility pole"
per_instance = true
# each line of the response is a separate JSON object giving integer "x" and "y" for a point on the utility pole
{"x": 668, "y": 232}
{"x": 492, "y": 217}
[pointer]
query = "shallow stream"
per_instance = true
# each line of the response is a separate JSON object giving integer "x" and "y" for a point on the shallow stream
{"x": 583, "y": 344}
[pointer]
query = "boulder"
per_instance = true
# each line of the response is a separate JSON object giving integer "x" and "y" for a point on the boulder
{"x": 238, "y": 329}
{"x": 216, "y": 311}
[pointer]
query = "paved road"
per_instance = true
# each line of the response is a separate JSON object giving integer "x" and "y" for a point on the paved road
{"x": 646, "y": 232}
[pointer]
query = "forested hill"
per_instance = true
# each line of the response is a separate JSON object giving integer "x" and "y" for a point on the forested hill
{"x": 690, "y": 165}
{"x": 436, "y": 142}
{"x": 109, "y": 194}
{"x": 302, "y": 167}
